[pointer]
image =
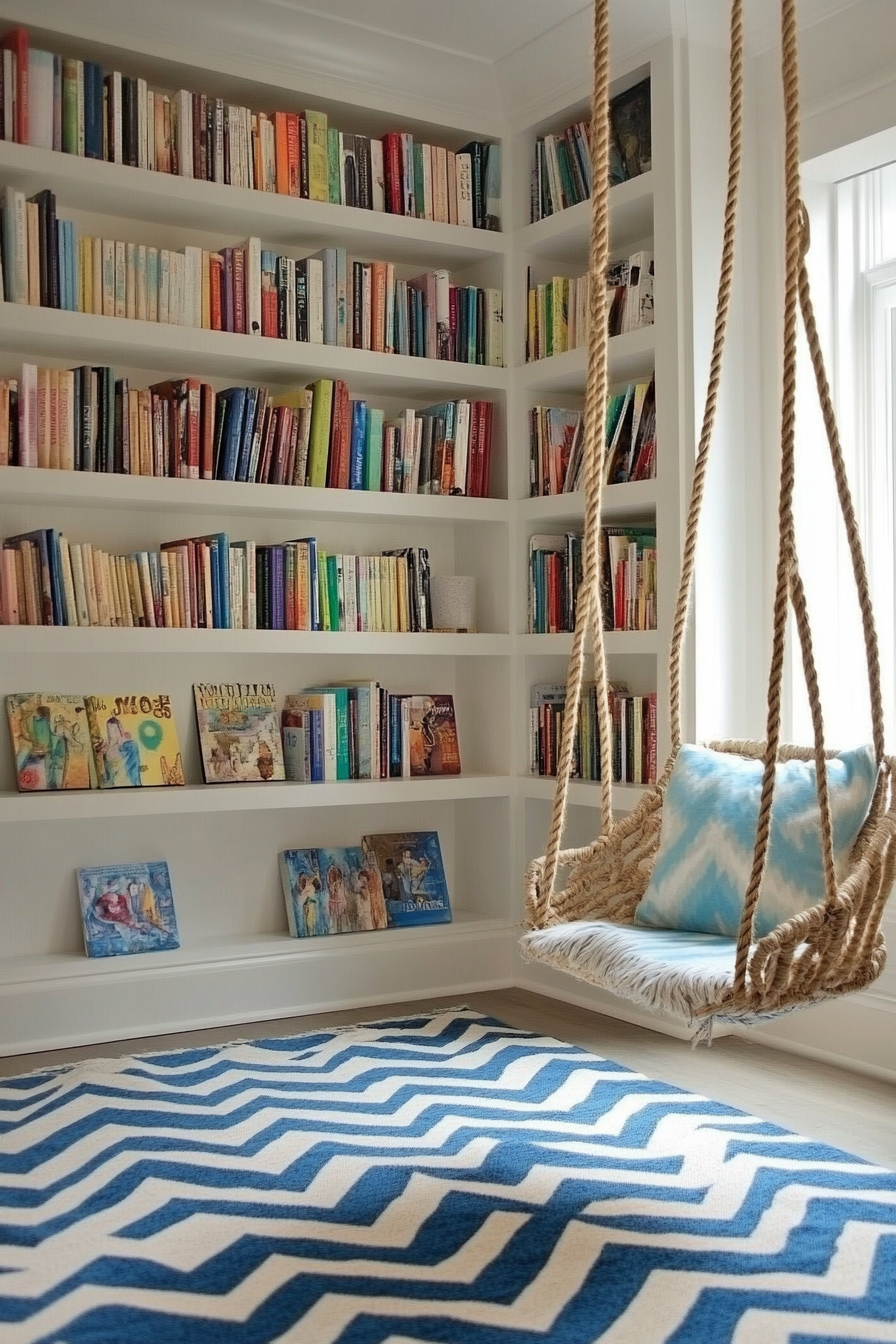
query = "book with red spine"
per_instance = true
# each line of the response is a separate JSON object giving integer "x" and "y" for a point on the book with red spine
{"x": 207, "y": 432}
{"x": 340, "y": 438}
{"x": 281, "y": 152}
{"x": 215, "y": 284}
{"x": 392, "y": 158}
{"x": 17, "y": 42}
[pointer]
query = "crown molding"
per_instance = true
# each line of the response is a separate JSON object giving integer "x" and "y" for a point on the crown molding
{"x": 268, "y": 43}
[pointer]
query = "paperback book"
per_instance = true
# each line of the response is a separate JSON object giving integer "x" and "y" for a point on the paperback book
{"x": 331, "y": 891}
{"x": 432, "y": 735}
{"x": 239, "y": 733}
{"x": 50, "y": 742}
{"x": 412, "y": 875}
{"x": 127, "y": 908}
{"x": 134, "y": 741}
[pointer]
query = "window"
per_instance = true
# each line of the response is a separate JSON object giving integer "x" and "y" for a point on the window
{"x": 855, "y": 276}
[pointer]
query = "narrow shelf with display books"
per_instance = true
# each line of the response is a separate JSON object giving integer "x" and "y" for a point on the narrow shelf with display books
{"x": 237, "y": 962}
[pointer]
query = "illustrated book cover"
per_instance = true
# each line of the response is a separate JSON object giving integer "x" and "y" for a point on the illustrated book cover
{"x": 331, "y": 891}
{"x": 127, "y": 908}
{"x": 432, "y": 735}
{"x": 50, "y": 741}
{"x": 134, "y": 740}
{"x": 412, "y": 876}
{"x": 239, "y": 733}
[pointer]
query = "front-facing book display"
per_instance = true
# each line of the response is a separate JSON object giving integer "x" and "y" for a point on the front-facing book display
{"x": 239, "y": 733}
{"x": 134, "y": 739}
{"x": 127, "y": 908}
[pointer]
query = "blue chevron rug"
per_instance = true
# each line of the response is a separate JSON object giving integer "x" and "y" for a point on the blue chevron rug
{"x": 441, "y": 1178}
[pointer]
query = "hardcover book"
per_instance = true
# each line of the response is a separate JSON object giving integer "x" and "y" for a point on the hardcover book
{"x": 412, "y": 875}
{"x": 50, "y": 742}
{"x": 331, "y": 891}
{"x": 134, "y": 740}
{"x": 127, "y": 908}
{"x": 432, "y": 733}
{"x": 239, "y": 735}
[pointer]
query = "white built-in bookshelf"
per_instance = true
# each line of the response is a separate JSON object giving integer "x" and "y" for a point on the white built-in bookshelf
{"x": 237, "y": 962}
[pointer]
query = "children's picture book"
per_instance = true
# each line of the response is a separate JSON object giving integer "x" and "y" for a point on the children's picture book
{"x": 432, "y": 735}
{"x": 331, "y": 891}
{"x": 50, "y": 741}
{"x": 239, "y": 733}
{"x": 134, "y": 740}
{"x": 412, "y": 876}
{"x": 127, "y": 908}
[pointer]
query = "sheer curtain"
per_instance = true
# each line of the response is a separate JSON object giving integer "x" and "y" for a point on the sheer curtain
{"x": 858, "y": 269}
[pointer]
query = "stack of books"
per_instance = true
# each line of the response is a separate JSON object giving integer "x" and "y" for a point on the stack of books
{"x": 59, "y": 103}
{"x": 325, "y": 299}
{"x": 556, "y": 442}
{"x": 359, "y": 730}
{"x": 85, "y": 419}
{"x": 634, "y": 734}
{"x": 561, "y": 173}
{"x": 628, "y": 577}
{"x": 555, "y": 573}
{"x": 212, "y": 583}
{"x": 558, "y": 310}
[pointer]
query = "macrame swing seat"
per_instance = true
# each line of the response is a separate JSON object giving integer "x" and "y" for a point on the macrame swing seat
{"x": 590, "y": 929}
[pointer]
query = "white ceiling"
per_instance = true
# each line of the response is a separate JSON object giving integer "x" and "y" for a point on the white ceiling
{"x": 489, "y": 30}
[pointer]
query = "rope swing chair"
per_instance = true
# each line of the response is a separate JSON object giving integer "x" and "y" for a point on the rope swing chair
{"x": 626, "y": 919}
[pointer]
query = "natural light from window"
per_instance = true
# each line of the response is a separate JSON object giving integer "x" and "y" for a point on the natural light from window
{"x": 860, "y": 347}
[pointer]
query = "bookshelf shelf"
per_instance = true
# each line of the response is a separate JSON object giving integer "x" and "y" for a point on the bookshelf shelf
{"x": 619, "y": 501}
{"x": 266, "y": 947}
{"x": 195, "y": 799}
{"x": 582, "y": 792}
{"x": 135, "y": 193}
{"x": 103, "y": 641}
{"x": 618, "y": 642}
{"x": 563, "y": 237}
{"x": 631, "y": 356}
{"x": 98, "y": 490}
{"x": 65, "y": 337}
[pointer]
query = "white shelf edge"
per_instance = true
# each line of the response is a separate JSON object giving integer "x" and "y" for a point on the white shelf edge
{"x": 62, "y": 335}
{"x": 582, "y": 792}
{"x": 618, "y": 500}
{"x": 194, "y": 799}
{"x": 64, "y": 640}
{"x": 617, "y": 642}
{"x": 631, "y": 214}
{"x": 137, "y": 193}
{"x": 240, "y": 949}
{"x": 92, "y": 489}
{"x": 631, "y": 354}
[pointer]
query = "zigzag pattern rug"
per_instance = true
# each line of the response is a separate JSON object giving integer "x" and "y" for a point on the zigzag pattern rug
{"x": 440, "y": 1178}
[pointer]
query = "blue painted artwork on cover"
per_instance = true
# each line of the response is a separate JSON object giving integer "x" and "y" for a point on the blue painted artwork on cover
{"x": 331, "y": 891}
{"x": 412, "y": 876}
{"x": 127, "y": 908}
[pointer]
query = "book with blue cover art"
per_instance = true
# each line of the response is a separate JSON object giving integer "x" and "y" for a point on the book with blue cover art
{"x": 331, "y": 891}
{"x": 412, "y": 876}
{"x": 127, "y": 908}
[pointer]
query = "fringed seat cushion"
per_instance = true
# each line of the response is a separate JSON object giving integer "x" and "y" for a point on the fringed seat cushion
{"x": 665, "y": 970}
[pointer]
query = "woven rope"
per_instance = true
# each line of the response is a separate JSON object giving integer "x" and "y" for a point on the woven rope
{"x": 836, "y": 946}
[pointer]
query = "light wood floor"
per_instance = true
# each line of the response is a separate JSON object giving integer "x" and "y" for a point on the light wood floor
{"x": 846, "y": 1109}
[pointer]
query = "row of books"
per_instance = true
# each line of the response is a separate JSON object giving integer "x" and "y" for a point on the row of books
{"x": 627, "y": 561}
{"x": 324, "y": 299}
{"x": 327, "y": 733}
{"x": 558, "y": 310}
{"x": 395, "y": 880}
{"x": 556, "y": 442}
{"x": 212, "y": 583}
{"x": 77, "y": 107}
{"x": 86, "y": 419}
{"x": 561, "y": 172}
{"x": 634, "y": 733}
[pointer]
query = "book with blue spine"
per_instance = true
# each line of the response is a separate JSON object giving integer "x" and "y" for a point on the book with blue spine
{"x": 127, "y": 908}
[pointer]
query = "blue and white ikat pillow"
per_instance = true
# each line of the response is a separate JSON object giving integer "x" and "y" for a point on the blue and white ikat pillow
{"x": 710, "y": 813}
